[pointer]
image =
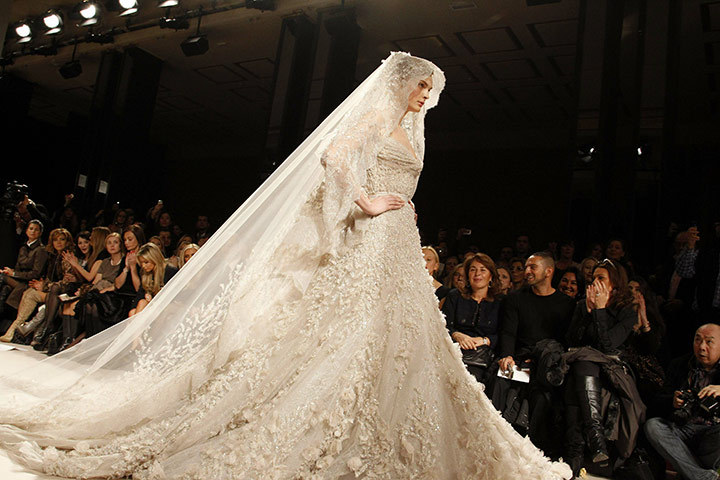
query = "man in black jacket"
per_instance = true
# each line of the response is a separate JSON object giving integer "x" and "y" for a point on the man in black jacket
{"x": 690, "y": 438}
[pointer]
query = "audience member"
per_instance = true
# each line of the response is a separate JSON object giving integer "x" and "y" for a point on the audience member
{"x": 458, "y": 278}
{"x": 517, "y": 273}
{"x": 432, "y": 264}
{"x": 505, "y": 279}
{"x": 155, "y": 274}
{"x": 571, "y": 283}
{"x": 689, "y": 438}
{"x": 522, "y": 246}
{"x": 596, "y": 251}
{"x": 186, "y": 253}
{"x": 617, "y": 251}
{"x": 60, "y": 278}
{"x": 565, "y": 259}
{"x": 30, "y": 265}
{"x": 703, "y": 265}
{"x": 604, "y": 321}
{"x": 202, "y": 228}
{"x": 472, "y": 315}
{"x": 586, "y": 268}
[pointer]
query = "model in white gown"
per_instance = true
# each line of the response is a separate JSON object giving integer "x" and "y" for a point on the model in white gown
{"x": 324, "y": 356}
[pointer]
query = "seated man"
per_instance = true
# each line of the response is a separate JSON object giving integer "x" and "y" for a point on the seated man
{"x": 690, "y": 438}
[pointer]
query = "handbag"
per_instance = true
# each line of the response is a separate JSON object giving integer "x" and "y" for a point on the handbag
{"x": 483, "y": 356}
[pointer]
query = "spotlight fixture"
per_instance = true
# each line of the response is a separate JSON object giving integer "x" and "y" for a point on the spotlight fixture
{"x": 128, "y": 7}
{"x": 175, "y": 23}
{"x": 87, "y": 13}
{"x": 72, "y": 68}
{"x": 586, "y": 153}
{"x": 101, "y": 38}
{"x": 260, "y": 4}
{"x": 168, "y": 3}
{"x": 53, "y": 21}
{"x": 23, "y": 31}
{"x": 196, "y": 44}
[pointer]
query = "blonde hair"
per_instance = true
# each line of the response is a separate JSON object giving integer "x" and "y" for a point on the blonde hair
{"x": 97, "y": 243}
{"x": 153, "y": 281}
{"x": 435, "y": 256}
{"x": 181, "y": 256}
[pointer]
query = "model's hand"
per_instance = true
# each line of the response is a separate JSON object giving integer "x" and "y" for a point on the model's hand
{"x": 380, "y": 204}
{"x": 710, "y": 391}
{"x": 414, "y": 211}
{"x": 506, "y": 363}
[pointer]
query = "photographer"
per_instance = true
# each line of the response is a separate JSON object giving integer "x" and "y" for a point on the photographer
{"x": 690, "y": 438}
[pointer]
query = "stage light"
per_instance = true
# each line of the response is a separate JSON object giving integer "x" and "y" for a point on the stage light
{"x": 53, "y": 21}
{"x": 72, "y": 68}
{"x": 23, "y": 31}
{"x": 87, "y": 12}
{"x": 174, "y": 23}
{"x": 196, "y": 44}
{"x": 168, "y": 3}
{"x": 129, "y": 7}
{"x": 586, "y": 153}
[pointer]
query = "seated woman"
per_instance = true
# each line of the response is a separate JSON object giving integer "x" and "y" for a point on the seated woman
{"x": 473, "y": 314}
{"x": 505, "y": 279}
{"x": 517, "y": 273}
{"x": 174, "y": 260}
{"x": 604, "y": 321}
{"x": 156, "y": 272}
{"x": 448, "y": 268}
{"x": 458, "y": 278}
{"x": 586, "y": 268}
{"x": 432, "y": 263}
{"x": 643, "y": 346}
{"x": 60, "y": 279}
{"x": 571, "y": 283}
{"x": 30, "y": 265}
{"x": 89, "y": 312}
{"x": 187, "y": 252}
{"x": 565, "y": 259}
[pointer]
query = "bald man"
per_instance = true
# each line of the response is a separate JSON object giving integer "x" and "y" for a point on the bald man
{"x": 690, "y": 439}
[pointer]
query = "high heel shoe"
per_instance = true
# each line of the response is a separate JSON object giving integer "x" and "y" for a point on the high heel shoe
{"x": 30, "y": 326}
{"x": 8, "y": 337}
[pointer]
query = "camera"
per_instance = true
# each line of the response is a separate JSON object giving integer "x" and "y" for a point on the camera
{"x": 14, "y": 194}
{"x": 695, "y": 406}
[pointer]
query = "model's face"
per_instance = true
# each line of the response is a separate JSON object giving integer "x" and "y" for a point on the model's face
{"x": 614, "y": 250}
{"x": 517, "y": 272}
{"x": 131, "y": 242}
{"x": 59, "y": 243}
{"x": 112, "y": 245}
{"x": 505, "y": 280}
{"x": 707, "y": 345}
{"x": 568, "y": 284}
{"x": 147, "y": 265}
{"x": 459, "y": 279}
{"x": 601, "y": 275}
{"x": 535, "y": 271}
{"x": 479, "y": 276}
{"x": 420, "y": 94}
{"x": 188, "y": 254}
{"x": 83, "y": 245}
{"x": 33, "y": 232}
{"x": 430, "y": 263}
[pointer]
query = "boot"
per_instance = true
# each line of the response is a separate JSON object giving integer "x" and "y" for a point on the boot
{"x": 29, "y": 327}
{"x": 10, "y": 331}
{"x": 574, "y": 442}
{"x": 42, "y": 332}
{"x": 590, "y": 397}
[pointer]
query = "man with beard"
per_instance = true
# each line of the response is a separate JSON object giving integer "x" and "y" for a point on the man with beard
{"x": 535, "y": 313}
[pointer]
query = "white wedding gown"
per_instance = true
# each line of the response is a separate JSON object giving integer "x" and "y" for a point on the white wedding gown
{"x": 355, "y": 378}
{"x": 303, "y": 341}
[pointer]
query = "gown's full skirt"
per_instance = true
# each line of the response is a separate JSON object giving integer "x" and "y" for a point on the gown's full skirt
{"x": 352, "y": 375}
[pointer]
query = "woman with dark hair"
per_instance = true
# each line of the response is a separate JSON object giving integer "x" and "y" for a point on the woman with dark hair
{"x": 603, "y": 321}
{"x": 505, "y": 279}
{"x": 83, "y": 248}
{"x": 566, "y": 252}
{"x": 617, "y": 251}
{"x": 473, "y": 315}
{"x": 517, "y": 273}
{"x": 60, "y": 278}
{"x": 572, "y": 282}
{"x": 128, "y": 280}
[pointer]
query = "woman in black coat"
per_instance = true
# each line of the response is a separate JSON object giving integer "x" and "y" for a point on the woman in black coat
{"x": 472, "y": 315}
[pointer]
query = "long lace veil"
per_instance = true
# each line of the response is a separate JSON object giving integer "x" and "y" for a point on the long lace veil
{"x": 239, "y": 280}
